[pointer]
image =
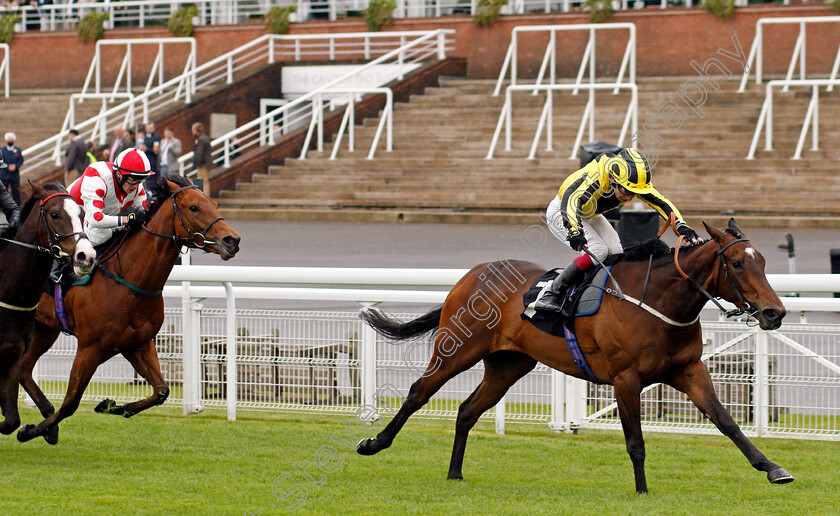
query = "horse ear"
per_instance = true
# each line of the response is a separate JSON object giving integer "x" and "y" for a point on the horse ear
{"x": 734, "y": 226}
{"x": 714, "y": 233}
{"x": 37, "y": 191}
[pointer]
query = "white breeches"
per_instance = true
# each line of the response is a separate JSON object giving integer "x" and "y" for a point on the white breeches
{"x": 601, "y": 238}
{"x": 98, "y": 236}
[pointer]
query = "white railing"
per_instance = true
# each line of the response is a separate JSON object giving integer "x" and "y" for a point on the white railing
{"x": 5, "y": 72}
{"x": 271, "y": 360}
{"x": 755, "y": 61}
{"x": 424, "y": 45}
{"x": 765, "y": 118}
{"x": 126, "y": 68}
{"x": 223, "y": 69}
{"x": 99, "y": 130}
{"x": 549, "y": 61}
{"x": 631, "y": 119}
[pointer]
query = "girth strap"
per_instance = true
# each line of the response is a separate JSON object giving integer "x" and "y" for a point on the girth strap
{"x": 577, "y": 355}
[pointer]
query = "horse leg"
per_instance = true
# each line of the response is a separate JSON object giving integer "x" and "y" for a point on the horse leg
{"x": 628, "y": 392}
{"x": 9, "y": 399}
{"x": 445, "y": 367}
{"x": 84, "y": 365}
{"x": 695, "y": 381}
{"x": 42, "y": 341}
{"x": 501, "y": 370}
{"x": 145, "y": 362}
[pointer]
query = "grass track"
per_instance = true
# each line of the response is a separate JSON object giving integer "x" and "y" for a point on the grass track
{"x": 164, "y": 463}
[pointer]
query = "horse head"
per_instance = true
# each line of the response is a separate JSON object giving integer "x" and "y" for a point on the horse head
{"x": 741, "y": 279}
{"x": 58, "y": 226}
{"x": 195, "y": 219}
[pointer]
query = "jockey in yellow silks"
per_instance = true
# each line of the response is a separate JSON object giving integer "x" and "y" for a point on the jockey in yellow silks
{"x": 575, "y": 216}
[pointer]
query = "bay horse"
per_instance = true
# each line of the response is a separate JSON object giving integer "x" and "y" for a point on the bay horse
{"x": 120, "y": 310}
{"x": 52, "y": 231}
{"x": 625, "y": 346}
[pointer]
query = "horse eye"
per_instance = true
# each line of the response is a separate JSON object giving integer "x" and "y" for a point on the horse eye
{"x": 193, "y": 208}
{"x": 736, "y": 265}
{"x": 55, "y": 215}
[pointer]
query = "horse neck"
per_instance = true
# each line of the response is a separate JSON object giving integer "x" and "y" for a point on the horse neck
{"x": 30, "y": 267}
{"x": 156, "y": 254}
{"x": 680, "y": 295}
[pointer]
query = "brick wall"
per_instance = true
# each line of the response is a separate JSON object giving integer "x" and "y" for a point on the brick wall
{"x": 667, "y": 42}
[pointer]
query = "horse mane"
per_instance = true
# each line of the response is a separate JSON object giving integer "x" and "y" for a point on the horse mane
{"x": 157, "y": 190}
{"x": 653, "y": 247}
{"x": 26, "y": 209}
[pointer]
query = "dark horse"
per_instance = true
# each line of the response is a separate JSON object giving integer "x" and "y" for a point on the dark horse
{"x": 52, "y": 231}
{"x": 121, "y": 309}
{"x": 625, "y": 346}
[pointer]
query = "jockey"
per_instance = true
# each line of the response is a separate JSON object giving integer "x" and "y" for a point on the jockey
{"x": 106, "y": 189}
{"x": 575, "y": 214}
{"x": 9, "y": 207}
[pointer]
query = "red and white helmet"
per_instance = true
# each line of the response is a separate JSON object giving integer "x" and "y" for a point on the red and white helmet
{"x": 134, "y": 163}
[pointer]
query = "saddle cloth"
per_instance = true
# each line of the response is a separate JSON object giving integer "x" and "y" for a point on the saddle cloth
{"x": 585, "y": 298}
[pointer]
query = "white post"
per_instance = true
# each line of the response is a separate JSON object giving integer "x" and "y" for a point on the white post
{"x": 575, "y": 403}
{"x": 231, "y": 351}
{"x": 500, "y": 416}
{"x": 558, "y": 396}
{"x": 762, "y": 389}
{"x": 759, "y": 52}
{"x": 368, "y": 364}
{"x": 441, "y": 45}
{"x": 768, "y": 128}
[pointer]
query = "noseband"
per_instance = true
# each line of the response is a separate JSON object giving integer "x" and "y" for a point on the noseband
{"x": 53, "y": 236}
{"x": 745, "y": 307}
{"x": 197, "y": 238}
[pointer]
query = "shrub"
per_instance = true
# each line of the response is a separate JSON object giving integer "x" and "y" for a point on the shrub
{"x": 181, "y": 22}
{"x": 7, "y": 28}
{"x": 277, "y": 19}
{"x": 91, "y": 28}
{"x": 600, "y": 11}
{"x": 379, "y": 13}
{"x": 488, "y": 12}
{"x": 723, "y": 9}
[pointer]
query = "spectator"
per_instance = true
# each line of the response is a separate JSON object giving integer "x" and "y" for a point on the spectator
{"x": 91, "y": 153}
{"x": 276, "y": 133}
{"x": 170, "y": 151}
{"x": 121, "y": 142}
{"x": 10, "y": 176}
{"x": 33, "y": 16}
{"x": 235, "y": 152}
{"x": 202, "y": 156}
{"x": 77, "y": 160}
{"x": 151, "y": 145}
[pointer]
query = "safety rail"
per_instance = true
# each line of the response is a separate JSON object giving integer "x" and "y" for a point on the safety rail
{"x": 755, "y": 60}
{"x": 550, "y": 56}
{"x": 428, "y": 44}
{"x": 157, "y": 70}
{"x": 546, "y": 117}
{"x": 765, "y": 118}
{"x": 266, "y": 49}
{"x": 99, "y": 129}
{"x": 267, "y": 359}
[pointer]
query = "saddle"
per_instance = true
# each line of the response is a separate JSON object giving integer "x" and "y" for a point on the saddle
{"x": 579, "y": 300}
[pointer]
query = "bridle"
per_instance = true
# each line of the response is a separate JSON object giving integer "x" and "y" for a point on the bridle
{"x": 197, "y": 238}
{"x": 53, "y": 236}
{"x": 721, "y": 264}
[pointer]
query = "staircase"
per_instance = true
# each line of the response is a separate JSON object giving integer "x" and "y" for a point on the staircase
{"x": 38, "y": 114}
{"x": 437, "y": 171}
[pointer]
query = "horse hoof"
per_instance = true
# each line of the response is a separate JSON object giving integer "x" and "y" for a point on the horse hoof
{"x": 26, "y": 433}
{"x": 366, "y": 446}
{"x": 105, "y": 406}
{"x": 52, "y": 436}
{"x": 459, "y": 476}
{"x": 779, "y": 476}
{"x": 6, "y": 429}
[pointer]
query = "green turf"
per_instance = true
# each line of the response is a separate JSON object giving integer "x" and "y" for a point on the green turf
{"x": 163, "y": 463}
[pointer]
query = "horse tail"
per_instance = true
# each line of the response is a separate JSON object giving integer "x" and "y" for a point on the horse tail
{"x": 397, "y": 330}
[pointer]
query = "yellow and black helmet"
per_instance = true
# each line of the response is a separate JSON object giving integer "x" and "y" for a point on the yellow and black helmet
{"x": 630, "y": 170}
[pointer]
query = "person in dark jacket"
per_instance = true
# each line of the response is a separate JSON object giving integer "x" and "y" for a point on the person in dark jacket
{"x": 202, "y": 157}
{"x": 9, "y": 207}
{"x": 13, "y": 157}
{"x": 77, "y": 160}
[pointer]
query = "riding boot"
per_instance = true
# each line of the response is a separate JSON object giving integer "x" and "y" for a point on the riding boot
{"x": 551, "y": 300}
{"x": 61, "y": 272}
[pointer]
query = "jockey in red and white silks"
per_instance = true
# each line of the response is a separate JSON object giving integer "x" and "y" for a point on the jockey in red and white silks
{"x": 106, "y": 189}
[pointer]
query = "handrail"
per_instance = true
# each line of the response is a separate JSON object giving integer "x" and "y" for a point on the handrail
{"x": 269, "y": 47}
{"x": 5, "y": 70}
{"x": 756, "y": 55}
{"x": 428, "y": 43}
{"x": 101, "y": 126}
{"x": 505, "y": 117}
{"x": 549, "y": 58}
{"x": 95, "y": 69}
{"x": 765, "y": 118}
{"x": 385, "y": 121}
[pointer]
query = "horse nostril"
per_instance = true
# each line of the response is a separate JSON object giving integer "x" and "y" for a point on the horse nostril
{"x": 232, "y": 242}
{"x": 81, "y": 257}
{"x": 771, "y": 314}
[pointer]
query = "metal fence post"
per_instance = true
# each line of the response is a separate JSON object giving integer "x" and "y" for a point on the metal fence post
{"x": 558, "y": 401}
{"x": 575, "y": 403}
{"x": 368, "y": 364}
{"x": 500, "y": 416}
{"x": 231, "y": 351}
{"x": 762, "y": 389}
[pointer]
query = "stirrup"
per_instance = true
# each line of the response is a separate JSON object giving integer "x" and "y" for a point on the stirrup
{"x": 549, "y": 302}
